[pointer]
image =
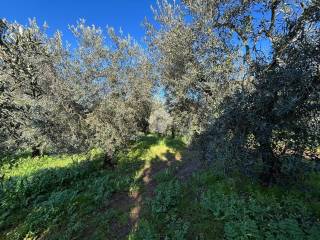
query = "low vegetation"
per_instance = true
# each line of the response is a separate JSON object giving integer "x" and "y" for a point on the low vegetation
{"x": 149, "y": 195}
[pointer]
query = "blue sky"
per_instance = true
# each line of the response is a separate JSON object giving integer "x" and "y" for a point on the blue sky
{"x": 127, "y": 14}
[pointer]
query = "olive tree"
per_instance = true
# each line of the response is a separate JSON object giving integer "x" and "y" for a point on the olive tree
{"x": 252, "y": 67}
{"x": 25, "y": 73}
{"x": 277, "y": 100}
{"x": 191, "y": 63}
{"x": 160, "y": 121}
{"x": 95, "y": 95}
{"x": 113, "y": 82}
{"x": 38, "y": 108}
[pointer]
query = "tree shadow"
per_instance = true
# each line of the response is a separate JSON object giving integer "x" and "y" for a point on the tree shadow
{"x": 129, "y": 203}
{"x": 233, "y": 156}
{"x": 13, "y": 158}
{"x": 145, "y": 142}
{"x": 50, "y": 199}
{"x": 178, "y": 145}
{"x": 134, "y": 202}
{"x": 85, "y": 195}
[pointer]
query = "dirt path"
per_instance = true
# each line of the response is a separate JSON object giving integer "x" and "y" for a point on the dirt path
{"x": 133, "y": 202}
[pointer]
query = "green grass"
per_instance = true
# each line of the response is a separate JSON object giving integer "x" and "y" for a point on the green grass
{"x": 61, "y": 197}
{"x": 211, "y": 207}
{"x": 29, "y": 166}
{"x": 72, "y": 197}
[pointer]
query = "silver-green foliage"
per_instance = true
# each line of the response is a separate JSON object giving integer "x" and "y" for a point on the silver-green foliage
{"x": 218, "y": 77}
{"x": 67, "y": 99}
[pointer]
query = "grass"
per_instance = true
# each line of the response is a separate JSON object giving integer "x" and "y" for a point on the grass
{"x": 72, "y": 197}
{"x": 29, "y": 166}
{"x": 211, "y": 207}
{"x": 61, "y": 197}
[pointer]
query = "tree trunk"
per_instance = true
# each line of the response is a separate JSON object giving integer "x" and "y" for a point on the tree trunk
{"x": 36, "y": 151}
{"x": 271, "y": 164}
{"x": 108, "y": 160}
{"x": 144, "y": 126}
{"x": 173, "y": 132}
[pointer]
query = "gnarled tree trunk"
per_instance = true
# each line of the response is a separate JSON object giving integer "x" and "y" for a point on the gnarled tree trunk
{"x": 36, "y": 151}
{"x": 271, "y": 163}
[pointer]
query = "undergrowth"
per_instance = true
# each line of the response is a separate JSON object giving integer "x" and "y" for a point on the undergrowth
{"x": 70, "y": 196}
{"x": 211, "y": 207}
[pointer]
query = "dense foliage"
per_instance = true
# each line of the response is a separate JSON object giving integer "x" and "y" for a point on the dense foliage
{"x": 243, "y": 74}
{"x": 72, "y": 100}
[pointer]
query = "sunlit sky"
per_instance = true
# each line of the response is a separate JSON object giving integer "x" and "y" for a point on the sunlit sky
{"x": 125, "y": 14}
{"x": 58, "y": 14}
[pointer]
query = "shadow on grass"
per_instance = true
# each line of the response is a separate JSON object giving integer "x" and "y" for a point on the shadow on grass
{"x": 133, "y": 204}
{"x": 145, "y": 142}
{"x": 82, "y": 200}
{"x": 57, "y": 200}
{"x": 12, "y": 159}
{"x": 176, "y": 144}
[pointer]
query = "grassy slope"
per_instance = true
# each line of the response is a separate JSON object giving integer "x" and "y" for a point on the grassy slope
{"x": 147, "y": 197}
